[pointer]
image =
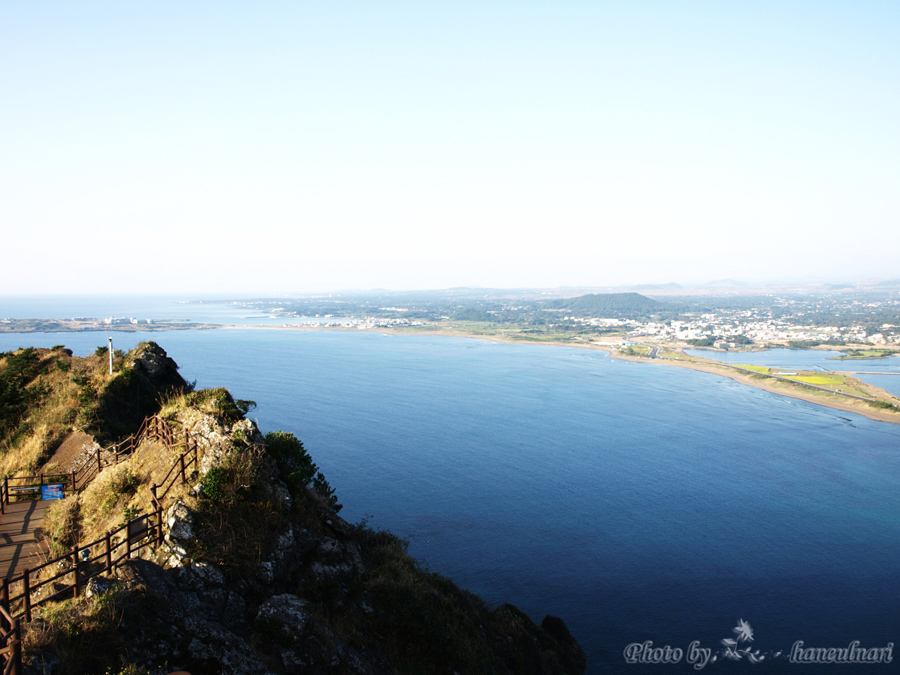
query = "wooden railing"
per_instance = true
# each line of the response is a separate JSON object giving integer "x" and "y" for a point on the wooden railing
{"x": 186, "y": 460}
{"x": 75, "y": 481}
{"x": 11, "y": 639}
{"x": 20, "y": 594}
{"x": 82, "y": 563}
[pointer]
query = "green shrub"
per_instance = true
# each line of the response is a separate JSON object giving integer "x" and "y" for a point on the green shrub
{"x": 213, "y": 483}
{"x": 244, "y": 405}
{"x": 121, "y": 483}
{"x": 298, "y": 467}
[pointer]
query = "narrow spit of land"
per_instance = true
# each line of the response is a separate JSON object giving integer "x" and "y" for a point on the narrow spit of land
{"x": 668, "y": 356}
{"x": 784, "y": 386}
{"x": 674, "y": 356}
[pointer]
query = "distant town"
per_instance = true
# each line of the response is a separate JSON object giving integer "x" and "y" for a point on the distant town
{"x": 718, "y": 318}
{"x": 798, "y": 319}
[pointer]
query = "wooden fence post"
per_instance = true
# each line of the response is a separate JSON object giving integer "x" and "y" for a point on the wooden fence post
{"x": 4, "y": 495}
{"x": 127, "y": 542}
{"x": 74, "y": 482}
{"x": 26, "y": 594}
{"x": 5, "y": 596}
{"x": 17, "y": 648}
{"x": 159, "y": 529}
{"x": 108, "y": 552}
{"x": 75, "y": 570}
{"x": 99, "y": 467}
{"x": 181, "y": 459}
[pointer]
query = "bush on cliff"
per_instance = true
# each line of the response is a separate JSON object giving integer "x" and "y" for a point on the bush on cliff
{"x": 299, "y": 469}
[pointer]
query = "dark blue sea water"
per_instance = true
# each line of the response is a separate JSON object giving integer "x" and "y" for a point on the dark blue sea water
{"x": 637, "y": 502}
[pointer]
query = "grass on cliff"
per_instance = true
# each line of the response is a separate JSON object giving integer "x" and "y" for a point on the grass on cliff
{"x": 82, "y": 633}
{"x": 421, "y": 622}
{"x": 40, "y": 400}
{"x": 237, "y": 517}
{"x": 425, "y": 619}
{"x": 46, "y": 393}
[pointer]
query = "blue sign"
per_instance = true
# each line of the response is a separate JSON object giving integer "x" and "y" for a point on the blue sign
{"x": 52, "y": 492}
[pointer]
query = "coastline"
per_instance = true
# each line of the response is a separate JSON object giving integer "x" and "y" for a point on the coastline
{"x": 779, "y": 387}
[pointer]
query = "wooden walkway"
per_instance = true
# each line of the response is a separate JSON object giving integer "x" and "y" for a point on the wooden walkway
{"x": 18, "y": 547}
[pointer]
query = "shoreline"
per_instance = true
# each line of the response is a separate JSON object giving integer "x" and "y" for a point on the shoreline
{"x": 778, "y": 387}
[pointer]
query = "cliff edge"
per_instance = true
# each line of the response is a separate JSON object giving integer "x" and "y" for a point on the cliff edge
{"x": 257, "y": 572}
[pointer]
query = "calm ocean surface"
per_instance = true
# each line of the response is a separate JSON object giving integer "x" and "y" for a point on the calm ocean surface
{"x": 637, "y": 502}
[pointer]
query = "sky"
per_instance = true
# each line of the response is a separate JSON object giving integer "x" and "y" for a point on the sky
{"x": 295, "y": 147}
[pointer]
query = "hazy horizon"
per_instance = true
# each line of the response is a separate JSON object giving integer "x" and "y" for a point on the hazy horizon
{"x": 291, "y": 148}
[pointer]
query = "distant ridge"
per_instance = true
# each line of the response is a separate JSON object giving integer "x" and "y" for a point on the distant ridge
{"x": 608, "y": 304}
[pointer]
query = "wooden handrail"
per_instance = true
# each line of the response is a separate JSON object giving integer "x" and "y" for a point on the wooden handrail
{"x": 152, "y": 427}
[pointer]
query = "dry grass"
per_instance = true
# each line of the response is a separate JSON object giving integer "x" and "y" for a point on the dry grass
{"x": 28, "y": 455}
{"x": 104, "y": 502}
{"x": 237, "y": 523}
{"x": 81, "y": 632}
{"x": 70, "y": 386}
{"x": 62, "y": 525}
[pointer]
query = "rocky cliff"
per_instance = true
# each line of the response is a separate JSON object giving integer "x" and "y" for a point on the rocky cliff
{"x": 259, "y": 574}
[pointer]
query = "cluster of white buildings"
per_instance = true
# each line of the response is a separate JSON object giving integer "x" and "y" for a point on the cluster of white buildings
{"x": 120, "y": 321}
{"x": 362, "y": 324}
{"x": 726, "y": 330}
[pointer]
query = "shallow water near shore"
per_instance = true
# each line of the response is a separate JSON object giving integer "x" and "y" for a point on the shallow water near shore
{"x": 637, "y": 503}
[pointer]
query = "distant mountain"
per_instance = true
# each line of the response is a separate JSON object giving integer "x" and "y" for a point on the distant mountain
{"x": 612, "y": 305}
{"x": 890, "y": 283}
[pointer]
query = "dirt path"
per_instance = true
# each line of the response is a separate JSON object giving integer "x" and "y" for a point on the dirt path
{"x": 76, "y": 449}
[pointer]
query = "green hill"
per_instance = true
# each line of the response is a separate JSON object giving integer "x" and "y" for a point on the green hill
{"x": 609, "y": 305}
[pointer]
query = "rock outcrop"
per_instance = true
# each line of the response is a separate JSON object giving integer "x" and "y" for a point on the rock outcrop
{"x": 258, "y": 575}
{"x": 147, "y": 378}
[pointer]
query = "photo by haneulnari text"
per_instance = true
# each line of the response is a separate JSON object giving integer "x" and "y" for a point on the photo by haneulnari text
{"x": 699, "y": 657}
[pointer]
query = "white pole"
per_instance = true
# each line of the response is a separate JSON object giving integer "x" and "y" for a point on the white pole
{"x": 110, "y": 355}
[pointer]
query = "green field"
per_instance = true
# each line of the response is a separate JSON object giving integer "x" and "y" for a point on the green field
{"x": 819, "y": 380}
{"x": 755, "y": 369}
{"x": 867, "y": 354}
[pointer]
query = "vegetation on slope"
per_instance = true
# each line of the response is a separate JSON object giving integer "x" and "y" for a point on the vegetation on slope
{"x": 613, "y": 305}
{"x": 264, "y": 533}
{"x": 47, "y": 393}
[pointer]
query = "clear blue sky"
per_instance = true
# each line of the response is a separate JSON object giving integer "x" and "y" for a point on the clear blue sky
{"x": 296, "y": 147}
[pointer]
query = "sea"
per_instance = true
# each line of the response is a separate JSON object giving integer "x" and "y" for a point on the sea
{"x": 649, "y": 507}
